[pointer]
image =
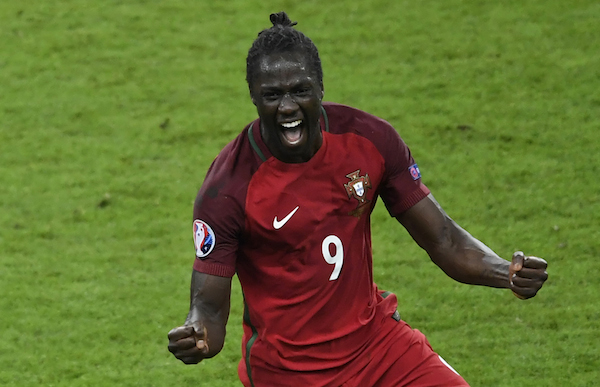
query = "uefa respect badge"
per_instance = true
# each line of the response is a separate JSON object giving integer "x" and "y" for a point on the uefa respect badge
{"x": 204, "y": 238}
{"x": 414, "y": 172}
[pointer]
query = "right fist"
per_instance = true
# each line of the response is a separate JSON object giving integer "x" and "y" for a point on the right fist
{"x": 188, "y": 343}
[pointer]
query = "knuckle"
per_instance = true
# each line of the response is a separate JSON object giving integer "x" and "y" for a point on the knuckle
{"x": 190, "y": 360}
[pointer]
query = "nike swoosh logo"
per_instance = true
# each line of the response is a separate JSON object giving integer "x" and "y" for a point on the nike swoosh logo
{"x": 277, "y": 224}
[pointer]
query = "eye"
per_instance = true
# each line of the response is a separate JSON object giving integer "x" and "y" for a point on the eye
{"x": 303, "y": 92}
{"x": 270, "y": 96}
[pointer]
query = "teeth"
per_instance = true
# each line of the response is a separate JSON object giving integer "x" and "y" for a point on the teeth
{"x": 290, "y": 125}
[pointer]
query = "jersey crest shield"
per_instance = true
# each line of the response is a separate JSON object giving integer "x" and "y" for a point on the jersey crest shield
{"x": 357, "y": 188}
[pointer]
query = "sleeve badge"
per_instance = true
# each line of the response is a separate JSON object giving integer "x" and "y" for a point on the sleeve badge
{"x": 204, "y": 238}
{"x": 414, "y": 172}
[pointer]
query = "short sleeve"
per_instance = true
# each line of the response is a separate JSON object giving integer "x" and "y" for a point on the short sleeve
{"x": 216, "y": 231}
{"x": 218, "y": 219}
{"x": 402, "y": 187}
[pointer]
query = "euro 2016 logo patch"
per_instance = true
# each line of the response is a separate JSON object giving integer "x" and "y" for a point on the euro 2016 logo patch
{"x": 414, "y": 172}
{"x": 204, "y": 238}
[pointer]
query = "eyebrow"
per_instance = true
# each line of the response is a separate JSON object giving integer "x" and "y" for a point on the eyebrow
{"x": 296, "y": 85}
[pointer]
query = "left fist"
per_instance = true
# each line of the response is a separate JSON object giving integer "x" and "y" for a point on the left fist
{"x": 526, "y": 275}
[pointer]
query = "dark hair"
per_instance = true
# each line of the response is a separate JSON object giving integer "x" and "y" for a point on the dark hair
{"x": 282, "y": 37}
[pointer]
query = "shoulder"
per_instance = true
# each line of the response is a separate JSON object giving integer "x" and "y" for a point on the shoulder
{"x": 235, "y": 151}
{"x": 237, "y": 157}
{"x": 232, "y": 169}
{"x": 343, "y": 119}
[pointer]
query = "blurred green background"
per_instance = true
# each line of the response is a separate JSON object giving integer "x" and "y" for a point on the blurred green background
{"x": 111, "y": 112}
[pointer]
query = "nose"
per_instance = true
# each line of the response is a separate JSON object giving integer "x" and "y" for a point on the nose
{"x": 287, "y": 105}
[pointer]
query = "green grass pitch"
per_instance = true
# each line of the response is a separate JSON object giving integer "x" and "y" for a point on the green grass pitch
{"x": 111, "y": 112}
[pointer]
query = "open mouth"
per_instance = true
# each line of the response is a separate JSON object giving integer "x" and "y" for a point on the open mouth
{"x": 292, "y": 132}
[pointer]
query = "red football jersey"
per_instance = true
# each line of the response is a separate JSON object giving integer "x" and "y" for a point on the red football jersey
{"x": 298, "y": 237}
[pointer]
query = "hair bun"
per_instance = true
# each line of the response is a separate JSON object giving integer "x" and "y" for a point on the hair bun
{"x": 281, "y": 19}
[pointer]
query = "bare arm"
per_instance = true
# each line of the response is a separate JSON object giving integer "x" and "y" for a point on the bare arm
{"x": 466, "y": 259}
{"x": 203, "y": 333}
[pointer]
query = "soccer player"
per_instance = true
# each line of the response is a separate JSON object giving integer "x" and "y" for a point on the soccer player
{"x": 286, "y": 206}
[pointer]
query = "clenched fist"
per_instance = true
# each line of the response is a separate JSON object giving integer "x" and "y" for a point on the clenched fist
{"x": 526, "y": 275}
{"x": 189, "y": 343}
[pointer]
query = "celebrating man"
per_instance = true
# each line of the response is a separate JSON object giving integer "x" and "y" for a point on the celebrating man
{"x": 287, "y": 206}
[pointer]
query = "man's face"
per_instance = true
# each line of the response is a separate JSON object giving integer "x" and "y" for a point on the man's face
{"x": 288, "y": 96}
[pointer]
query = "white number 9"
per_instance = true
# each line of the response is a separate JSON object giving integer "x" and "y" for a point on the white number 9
{"x": 337, "y": 258}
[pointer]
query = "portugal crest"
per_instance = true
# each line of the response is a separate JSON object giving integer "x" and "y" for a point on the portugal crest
{"x": 357, "y": 188}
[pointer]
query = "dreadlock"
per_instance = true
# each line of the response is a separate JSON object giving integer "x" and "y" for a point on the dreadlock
{"x": 281, "y": 37}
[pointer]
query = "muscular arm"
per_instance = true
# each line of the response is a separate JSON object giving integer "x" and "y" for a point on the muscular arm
{"x": 463, "y": 257}
{"x": 203, "y": 334}
{"x": 209, "y": 304}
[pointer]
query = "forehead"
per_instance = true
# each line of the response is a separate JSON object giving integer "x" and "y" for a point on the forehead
{"x": 284, "y": 67}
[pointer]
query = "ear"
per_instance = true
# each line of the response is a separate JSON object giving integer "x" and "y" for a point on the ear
{"x": 252, "y": 98}
{"x": 322, "y": 91}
